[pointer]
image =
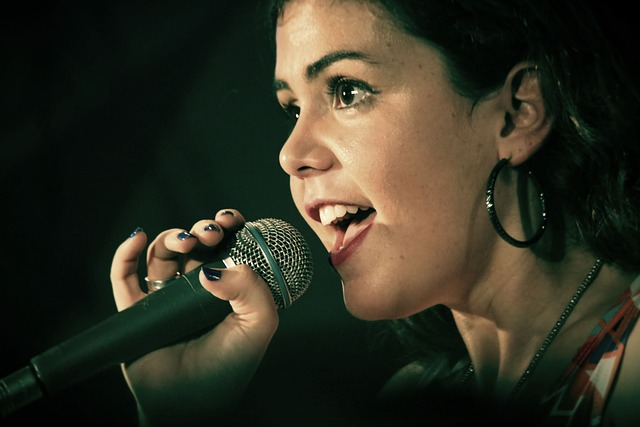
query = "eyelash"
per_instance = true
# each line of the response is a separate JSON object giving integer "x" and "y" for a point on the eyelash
{"x": 333, "y": 90}
{"x": 334, "y": 85}
{"x": 292, "y": 111}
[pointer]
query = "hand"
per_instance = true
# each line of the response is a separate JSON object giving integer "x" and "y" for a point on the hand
{"x": 204, "y": 377}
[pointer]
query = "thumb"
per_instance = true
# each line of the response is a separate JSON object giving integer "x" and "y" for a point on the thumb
{"x": 248, "y": 294}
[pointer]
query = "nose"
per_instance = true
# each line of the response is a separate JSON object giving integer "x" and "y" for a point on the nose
{"x": 305, "y": 153}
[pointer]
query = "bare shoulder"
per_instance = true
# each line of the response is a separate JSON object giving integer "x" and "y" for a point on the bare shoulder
{"x": 405, "y": 380}
{"x": 623, "y": 408}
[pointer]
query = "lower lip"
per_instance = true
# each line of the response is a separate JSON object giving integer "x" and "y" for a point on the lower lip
{"x": 340, "y": 257}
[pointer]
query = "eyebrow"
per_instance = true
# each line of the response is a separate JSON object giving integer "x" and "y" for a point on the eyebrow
{"x": 318, "y": 66}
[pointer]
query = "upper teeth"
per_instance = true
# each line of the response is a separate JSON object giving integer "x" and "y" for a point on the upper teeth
{"x": 331, "y": 213}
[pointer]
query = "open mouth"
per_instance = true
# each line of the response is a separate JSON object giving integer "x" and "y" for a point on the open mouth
{"x": 348, "y": 221}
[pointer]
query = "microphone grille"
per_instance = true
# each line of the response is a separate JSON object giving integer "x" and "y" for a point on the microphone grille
{"x": 279, "y": 254}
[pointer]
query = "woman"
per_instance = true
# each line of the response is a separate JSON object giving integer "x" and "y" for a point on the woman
{"x": 465, "y": 163}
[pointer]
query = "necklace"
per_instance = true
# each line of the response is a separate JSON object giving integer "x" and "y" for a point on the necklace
{"x": 586, "y": 282}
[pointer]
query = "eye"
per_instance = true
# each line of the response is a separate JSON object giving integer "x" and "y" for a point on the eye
{"x": 347, "y": 93}
{"x": 292, "y": 111}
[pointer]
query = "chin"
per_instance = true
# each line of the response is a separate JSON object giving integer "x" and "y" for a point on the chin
{"x": 371, "y": 304}
{"x": 372, "y": 309}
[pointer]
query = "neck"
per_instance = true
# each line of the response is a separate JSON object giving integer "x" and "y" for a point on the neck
{"x": 504, "y": 330}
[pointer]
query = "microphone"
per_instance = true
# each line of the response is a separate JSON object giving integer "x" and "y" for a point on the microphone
{"x": 271, "y": 247}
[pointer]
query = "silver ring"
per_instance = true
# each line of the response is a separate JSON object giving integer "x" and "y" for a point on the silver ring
{"x": 156, "y": 285}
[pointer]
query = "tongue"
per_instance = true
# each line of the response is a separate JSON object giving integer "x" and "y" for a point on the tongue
{"x": 343, "y": 239}
{"x": 339, "y": 242}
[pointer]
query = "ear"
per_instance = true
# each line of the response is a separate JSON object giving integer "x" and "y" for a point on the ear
{"x": 526, "y": 124}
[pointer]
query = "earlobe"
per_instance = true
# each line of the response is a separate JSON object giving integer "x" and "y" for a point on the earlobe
{"x": 526, "y": 123}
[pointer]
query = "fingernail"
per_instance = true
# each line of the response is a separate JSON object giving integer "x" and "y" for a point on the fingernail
{"x": 211, "y": 227}
{"x": 185, "y": 235}
{"x": 211, "y": 273}
{"x": 226, "y": 212}
{"x": 136, "y": 231}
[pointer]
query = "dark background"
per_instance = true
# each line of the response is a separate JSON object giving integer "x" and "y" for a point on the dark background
{"x": 123, "y": 114}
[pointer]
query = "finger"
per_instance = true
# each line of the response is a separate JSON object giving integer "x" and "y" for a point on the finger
{"x": 209, "y": 235}
{"x": 230, "y": 219}
{"x": 208, "y": 232}
{"x": 164, "y": 255}
{"x": 124, "y": 270}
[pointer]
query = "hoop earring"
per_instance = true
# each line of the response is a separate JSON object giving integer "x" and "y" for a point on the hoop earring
{"x": 493, "y": 216}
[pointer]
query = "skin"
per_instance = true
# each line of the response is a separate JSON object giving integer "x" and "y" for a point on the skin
{"x": 407, "y": 145}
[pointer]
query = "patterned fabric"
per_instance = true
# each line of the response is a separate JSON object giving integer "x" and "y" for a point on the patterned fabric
{"x": 580, "y": 396}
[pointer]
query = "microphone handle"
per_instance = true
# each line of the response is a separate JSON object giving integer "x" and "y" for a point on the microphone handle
{"x": 181, "y": 309}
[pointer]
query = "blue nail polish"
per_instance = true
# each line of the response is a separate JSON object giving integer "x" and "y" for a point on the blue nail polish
{"x": 136, "y": 231}
{"x": 211, "y": 273}
{"x": 211, "y": 227}
{"x": 185, "y": 235}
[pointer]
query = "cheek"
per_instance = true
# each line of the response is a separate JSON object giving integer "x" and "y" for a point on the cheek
{"x": 429, "y": 145}
{"x": 406, "y": 160}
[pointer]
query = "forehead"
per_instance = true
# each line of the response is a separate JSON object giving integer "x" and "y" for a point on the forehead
{"x": 311, "y": 28}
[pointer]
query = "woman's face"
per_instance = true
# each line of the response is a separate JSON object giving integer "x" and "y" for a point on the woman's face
{"x": 387, "y": 163}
